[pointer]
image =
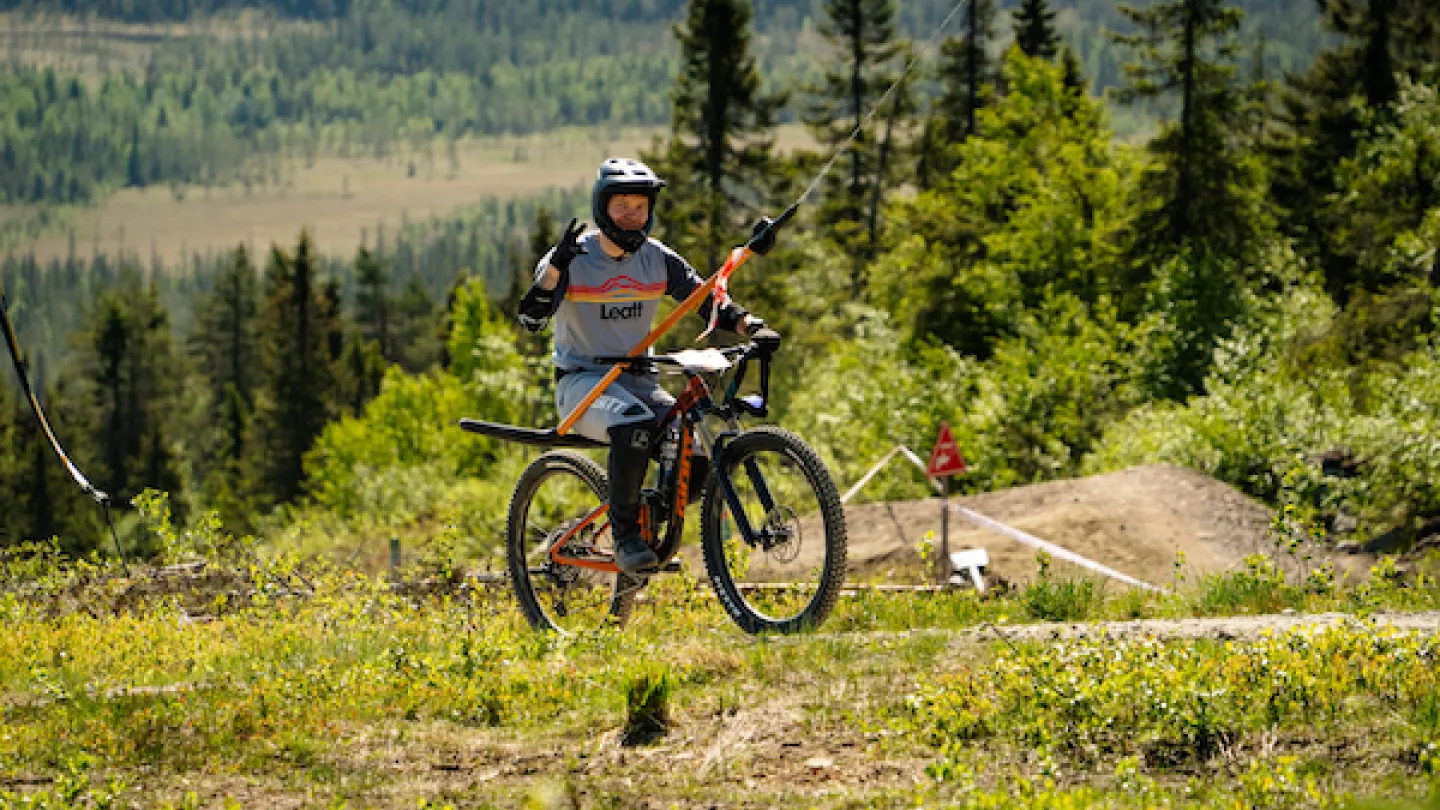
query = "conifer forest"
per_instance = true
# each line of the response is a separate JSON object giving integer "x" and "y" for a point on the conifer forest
{"x": 1088, "y": 235}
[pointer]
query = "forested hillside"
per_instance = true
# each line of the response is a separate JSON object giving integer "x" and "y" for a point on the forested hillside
{"x": 1250, "y": 289}
{"x": 378, "y": 77}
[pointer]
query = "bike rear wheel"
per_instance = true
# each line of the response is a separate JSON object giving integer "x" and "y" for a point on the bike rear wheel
{"x": 555, "y": 493}
{"x": 789, "y": 578}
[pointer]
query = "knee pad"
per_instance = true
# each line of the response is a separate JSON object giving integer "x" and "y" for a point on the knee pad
{"x": 634, "y": 438}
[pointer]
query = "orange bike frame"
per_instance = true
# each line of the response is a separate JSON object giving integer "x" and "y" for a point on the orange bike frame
{"x": 694, "y": 392}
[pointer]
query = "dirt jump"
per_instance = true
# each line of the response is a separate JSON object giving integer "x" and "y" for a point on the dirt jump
{"x": 1136, "y": 521}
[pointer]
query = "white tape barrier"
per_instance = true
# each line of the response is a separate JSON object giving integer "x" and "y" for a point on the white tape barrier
{"x": 1049, "y": 548}
{"x": 995, "y": 525}
{"x": 865, "y": 479}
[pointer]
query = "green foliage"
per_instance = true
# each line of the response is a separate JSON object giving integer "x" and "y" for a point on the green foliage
{"x": 295, "y": 390}
{"x": 1048, "y": 599}
{"x": 1193, "y": 303}
{"x": 71, "y": 790}
{"x": 1178, "y": 701}
{"x": 1035, "y": 28}
{"x": 1263, "y": 415}
{"x": 1385, "y": 216}
{"x": 647, "y": 704}
{"x": 1029, "y": 413}
{"x": 1034, "y": 209}
{"x": 865, "y": 59}
{"x": 1327, "y": 113}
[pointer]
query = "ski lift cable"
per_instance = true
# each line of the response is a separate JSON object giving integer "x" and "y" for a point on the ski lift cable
{"x": 855, "y": 133}
{"x": 76, "y": 475}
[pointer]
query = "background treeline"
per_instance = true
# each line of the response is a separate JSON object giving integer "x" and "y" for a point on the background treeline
{"x": 1248, "y": 291}
{"x": 50, "y": 300}
{"x": 369, "y": 78}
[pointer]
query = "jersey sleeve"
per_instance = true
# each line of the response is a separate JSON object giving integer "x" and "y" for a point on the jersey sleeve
{"x": 538, "y": 305}
{"x": 681, "y": 280}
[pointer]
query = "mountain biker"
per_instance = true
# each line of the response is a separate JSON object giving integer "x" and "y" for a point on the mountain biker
{"x": 603, "y": 290}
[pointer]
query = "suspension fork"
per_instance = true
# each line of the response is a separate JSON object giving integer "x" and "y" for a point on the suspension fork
{"x": 727, "y": 486}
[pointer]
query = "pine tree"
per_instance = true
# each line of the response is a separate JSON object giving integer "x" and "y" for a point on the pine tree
{"x": 1075, "y": 79}
{"x": 1035, "y": 29}
{"x": 720, "y": 131}
{"x": 226, "y": 351}
{"x": 1321, "y": 126}
{"x": 1200, "y": 187}
{"x": 863, "y": 34}
{"x": 293, "y": 400}
{"x": 447, "y": 323}
{"x": 133, "y": 372}
{"x": 967, "y": 79}
{"x": 373, "y": 302}
{"x": 417, "y": 346}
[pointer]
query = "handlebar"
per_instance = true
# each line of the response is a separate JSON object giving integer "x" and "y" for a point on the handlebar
{"x": 737, "y": 350}
{"x": 756, "y": 406}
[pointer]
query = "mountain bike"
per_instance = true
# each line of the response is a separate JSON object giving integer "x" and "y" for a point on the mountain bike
{"x": 772, "y": 529}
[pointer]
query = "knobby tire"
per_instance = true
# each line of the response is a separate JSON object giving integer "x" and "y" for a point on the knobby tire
{"x": 831, "y": 513}
{"x": 546, "y": 467}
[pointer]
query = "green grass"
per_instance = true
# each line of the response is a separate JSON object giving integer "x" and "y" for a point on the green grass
{"x": 358, "y": 693}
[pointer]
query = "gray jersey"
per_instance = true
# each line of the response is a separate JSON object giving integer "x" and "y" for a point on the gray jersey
{"x": 605, "y": 306}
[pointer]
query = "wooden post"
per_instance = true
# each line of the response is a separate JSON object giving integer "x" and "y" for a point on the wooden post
{"x": 944, "y": 529}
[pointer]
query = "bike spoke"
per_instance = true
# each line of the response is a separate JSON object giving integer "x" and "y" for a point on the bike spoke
{"x": 572, "y": 599}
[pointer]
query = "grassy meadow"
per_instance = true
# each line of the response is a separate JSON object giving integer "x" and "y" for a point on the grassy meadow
{"x": 341, "y": 201}
{"x": 292, "y": 682}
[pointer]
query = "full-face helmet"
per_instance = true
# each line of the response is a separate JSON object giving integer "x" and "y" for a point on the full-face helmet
{"x": 623, "y": 176}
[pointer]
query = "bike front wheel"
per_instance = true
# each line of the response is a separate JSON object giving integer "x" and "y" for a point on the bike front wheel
{"x": 554, "y": 494}
{"x": 775, "y": 545}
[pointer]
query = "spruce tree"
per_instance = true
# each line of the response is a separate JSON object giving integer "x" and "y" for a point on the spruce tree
{"x": 1200, "y": 187}
{"x": 1321, "y": 124}
{"x": 133, "y": 374}
{"x": 226, "y": 353}
{"x": 967, "y": 79}
{"x": 721, "y": 124}
{"x": 293, "y": 400}
{"x": 1035, "y": 29}
{"x": 862, "y": 34}
{"x": 417, "y": 346}
{"x": 373, "y": 302}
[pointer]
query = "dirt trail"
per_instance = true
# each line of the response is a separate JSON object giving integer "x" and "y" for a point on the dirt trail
{"x": 1212, "y": 627}
{"x": 1135, "y": 521}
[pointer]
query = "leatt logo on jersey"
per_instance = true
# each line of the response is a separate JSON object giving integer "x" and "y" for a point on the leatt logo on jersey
{"x": 619, "y": 288}
{"x": 621, "y": 312}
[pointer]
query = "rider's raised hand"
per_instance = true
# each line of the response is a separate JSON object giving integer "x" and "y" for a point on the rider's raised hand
{"x": 569, "y": 246}
{"x": 762, "y": 237}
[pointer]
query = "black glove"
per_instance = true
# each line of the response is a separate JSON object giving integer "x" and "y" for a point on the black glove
{"x": 762, "y": 238}
{"x": 569, "y": 246}
{"x": 767, "y": 340}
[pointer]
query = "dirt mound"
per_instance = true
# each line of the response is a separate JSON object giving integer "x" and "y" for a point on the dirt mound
{"x": 1135, "y": 521}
